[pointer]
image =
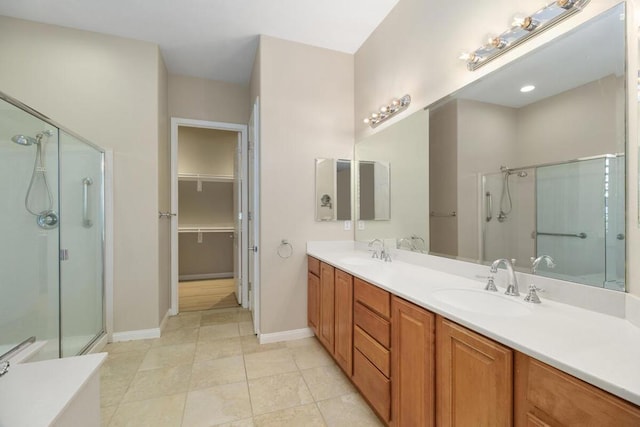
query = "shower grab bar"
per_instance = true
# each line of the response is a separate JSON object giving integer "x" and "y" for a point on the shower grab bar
{"x": 489, "y": 207}
{"x": 86, "y": 221}
{"x": 578, "y": 235}
{"x": 17, "y": 348}
{"x": 442, "y": 215}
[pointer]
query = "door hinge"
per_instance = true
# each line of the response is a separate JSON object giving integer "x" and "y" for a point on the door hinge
{"x": 64, "y": 254}
{"x": 250, "y": 216}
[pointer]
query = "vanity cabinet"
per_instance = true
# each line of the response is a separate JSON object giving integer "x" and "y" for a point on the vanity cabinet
{"x": 545, "y": 396}
{"x": 313, "y": 295}
{"x": 326, "y": 328}
{"x": 474, "y": 377}
{"x": 344, "y": 321}
{"x": 412, "y": 365}
{"x": 330, "y": 310}
{"x": 372, "y": 346}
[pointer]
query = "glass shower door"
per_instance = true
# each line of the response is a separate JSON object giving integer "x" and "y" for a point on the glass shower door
{"x": 81, "y": 244}
{"x": 571, "y": 220}
{"x": 29, "y": 276}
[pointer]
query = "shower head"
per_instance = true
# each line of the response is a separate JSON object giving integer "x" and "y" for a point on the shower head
{"x": 522, "y": 174}
{"x": 24, "y": 140}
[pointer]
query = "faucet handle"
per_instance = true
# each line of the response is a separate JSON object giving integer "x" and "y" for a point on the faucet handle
{"x": 491, "y": 286}
{"x": 374, "y": 253}
{"x": 532, "y": 295}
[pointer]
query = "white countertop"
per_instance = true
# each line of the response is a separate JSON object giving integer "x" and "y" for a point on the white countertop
{"x": 600, "y": 349}
{"x": 35, "y": 394}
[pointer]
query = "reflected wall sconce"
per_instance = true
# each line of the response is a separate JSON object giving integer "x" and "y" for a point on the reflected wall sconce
{"x": 522, "y": 29}
{"x": 388, "y": 111}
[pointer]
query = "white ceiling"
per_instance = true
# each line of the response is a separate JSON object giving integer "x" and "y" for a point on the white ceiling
{"x": 213, "y": 39}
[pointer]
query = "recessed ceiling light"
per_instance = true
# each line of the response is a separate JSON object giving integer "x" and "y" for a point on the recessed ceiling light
{"x": 527, "y": 88}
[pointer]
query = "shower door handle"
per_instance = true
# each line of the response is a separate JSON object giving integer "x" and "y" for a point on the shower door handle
{"x": 489, "y": 206}
{"x": 86, "y": 221}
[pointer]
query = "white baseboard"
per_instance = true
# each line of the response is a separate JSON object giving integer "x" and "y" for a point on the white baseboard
{"x": 294, "y": 334}
{"x": 208, "y": 276}
{"x": 163, "y": 322}
{"x": 140, "y": 334}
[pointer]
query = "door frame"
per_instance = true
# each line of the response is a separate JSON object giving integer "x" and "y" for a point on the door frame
{"x": 254, "y": 194}
{"x": 176, "y": 122}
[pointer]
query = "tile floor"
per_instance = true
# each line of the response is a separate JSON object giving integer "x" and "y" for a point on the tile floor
{"x": 208, "y": 369}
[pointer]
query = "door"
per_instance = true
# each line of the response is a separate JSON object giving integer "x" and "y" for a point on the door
{"x": 239, "y": 206}
{"x": 81, "y": 254}
{"x": 253, "y": 220}
{"x": 237, "y": 220}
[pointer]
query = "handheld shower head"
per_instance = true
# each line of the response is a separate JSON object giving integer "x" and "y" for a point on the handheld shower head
{"x": 24, "y": 140}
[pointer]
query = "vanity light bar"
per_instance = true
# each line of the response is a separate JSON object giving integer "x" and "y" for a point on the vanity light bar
{"x": 388, "y": 111}
{"x": 522, "y": 29}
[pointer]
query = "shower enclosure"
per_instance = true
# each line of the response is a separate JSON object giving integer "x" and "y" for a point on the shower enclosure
{"x": 52, "y": 231}
{"x": 572, "y": 211}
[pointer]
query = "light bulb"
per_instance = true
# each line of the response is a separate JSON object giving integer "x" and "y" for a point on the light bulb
{"x": 366, "y": 121}
{"x": 527, "y": 88}
{"x": 374, "y": 115}
{"x": 384, "y": 109}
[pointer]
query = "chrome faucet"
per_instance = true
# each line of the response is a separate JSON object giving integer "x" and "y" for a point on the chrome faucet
{"x": 512, "y": 280}
{"x": 409, "y": 243}
{"x": 532, "y": 295}
{"x": 536, "y": 261}
{"x": 375, "y": 252}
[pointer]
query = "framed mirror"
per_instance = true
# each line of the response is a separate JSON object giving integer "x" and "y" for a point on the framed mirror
{"x": 333, "y": 190}
{"x": 530, "y": 160}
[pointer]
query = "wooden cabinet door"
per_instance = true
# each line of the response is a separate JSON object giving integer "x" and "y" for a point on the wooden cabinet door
{"x": 327, "y": 298}
{"x": 546, "y": 396}
{"x": 412, "y": 365}
{"x": 313, "y": 302}
{"x": 344, "y": 321}
{"x": 474, "y": 377}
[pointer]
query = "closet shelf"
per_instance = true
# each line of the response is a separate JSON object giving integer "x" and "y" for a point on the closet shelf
{"x": 205, "y": 229}
{"x": 204, "y": 177}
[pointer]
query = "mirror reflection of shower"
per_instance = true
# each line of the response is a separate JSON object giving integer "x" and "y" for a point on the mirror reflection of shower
{"x": 47, "y": 217}
{"x": 506, "y": 204}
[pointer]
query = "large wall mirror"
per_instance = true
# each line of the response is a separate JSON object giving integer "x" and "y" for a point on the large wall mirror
{"x": 393, "y": 196}
{"x": 530, "y": 160}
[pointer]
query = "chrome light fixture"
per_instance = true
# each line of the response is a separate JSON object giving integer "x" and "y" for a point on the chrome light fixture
{"x": 388, "y": 111}
{"x": 522, "y": 29}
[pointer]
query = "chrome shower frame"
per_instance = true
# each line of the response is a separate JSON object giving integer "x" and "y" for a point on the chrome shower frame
{"x": 18, "y": 104}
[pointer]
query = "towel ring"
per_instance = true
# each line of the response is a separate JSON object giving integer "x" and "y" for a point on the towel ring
{"x": 285, "y": 250}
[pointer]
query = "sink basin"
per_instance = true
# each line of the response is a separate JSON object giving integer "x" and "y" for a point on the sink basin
{"x": 482, "y": 302}
{"x": 356, "y": 261}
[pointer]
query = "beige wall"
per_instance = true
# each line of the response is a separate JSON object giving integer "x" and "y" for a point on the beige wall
{"x": 587, "y": 120}
{"x": 206, "y": 151}
{"x": 306, "y": 100}
{"x": 415, "y": 50}
{"x": 202, "y": 99}
{"x": 443, "y": 163}
{"x": 106, "y": 89}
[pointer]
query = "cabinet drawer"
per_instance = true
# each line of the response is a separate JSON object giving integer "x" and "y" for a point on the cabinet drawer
{"x": 559, "y": 399}
{"x": 373, "y": 297}
{"x": 374, "y": 386}
{"x": 313, "y": 265}
{"x": 377, "y": 354}
{"x": 372, "y": 324}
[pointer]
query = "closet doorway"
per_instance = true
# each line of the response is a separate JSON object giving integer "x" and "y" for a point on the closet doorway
{"x": 209, "y": 200}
